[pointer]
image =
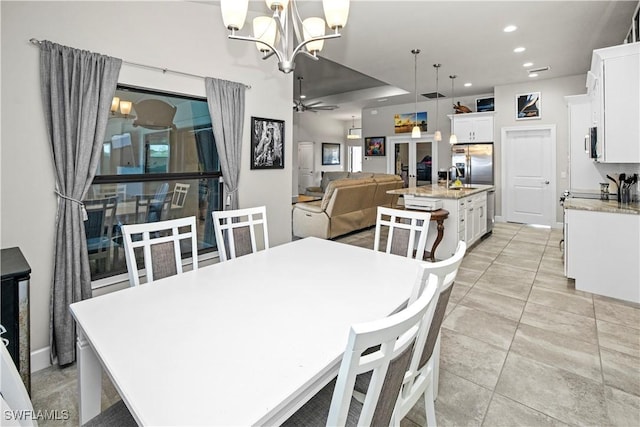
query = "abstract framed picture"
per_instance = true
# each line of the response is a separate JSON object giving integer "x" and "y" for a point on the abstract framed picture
{"x": 528, "y": 106}
{"x": 330, "y": 153}
{"x": 267, "y": 143}
{"x": 404, "y": 123}
{"x": 374, "y": 146}
{"x": 484, "y": 104}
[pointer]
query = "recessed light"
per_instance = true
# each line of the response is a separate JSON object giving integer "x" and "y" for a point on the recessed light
{"x": 533, "y": 74}
{"x": 382, "y": 99}
{"x": 527, "y": 64}
{"x": 519, "y": 49}
{"x": 467, "y": 84}
{"x": 510, "y": 28}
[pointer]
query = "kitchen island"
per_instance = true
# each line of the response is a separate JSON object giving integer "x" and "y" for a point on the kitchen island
{"x": 602, "y": 247}
{"x": 467, "y": 206}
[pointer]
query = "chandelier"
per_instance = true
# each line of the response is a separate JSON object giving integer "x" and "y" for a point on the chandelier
{"x": 272, "y": 34}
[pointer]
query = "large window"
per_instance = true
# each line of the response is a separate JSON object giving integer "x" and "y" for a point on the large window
{"x": 159, "y": 161}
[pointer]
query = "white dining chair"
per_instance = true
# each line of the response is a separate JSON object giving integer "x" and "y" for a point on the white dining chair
{"x": 179, "y": 198}
{"x": 160, "y": 243}
{"x": 17, "y": 408}
{"x": 406, "y": 231}
{"x": 13, "y": 392}
{"x": 98, "y": 228}
{"x": 241, "y": 231}
{"x": 392, "y": 340}
{"x": 423, "y": 374}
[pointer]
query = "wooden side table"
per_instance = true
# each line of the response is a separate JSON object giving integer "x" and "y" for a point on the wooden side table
{"x": 439, "y": 216}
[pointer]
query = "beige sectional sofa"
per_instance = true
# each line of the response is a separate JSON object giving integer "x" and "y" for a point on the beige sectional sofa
{"x": 327, "y": 177}
{"x": 348, "y": 204}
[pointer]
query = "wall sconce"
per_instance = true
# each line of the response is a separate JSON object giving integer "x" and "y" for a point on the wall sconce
{"x": 115, "y": 104}
{"x": 125, "y": 107}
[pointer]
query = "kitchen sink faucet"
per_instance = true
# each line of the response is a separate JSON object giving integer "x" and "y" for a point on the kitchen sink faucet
{"x": 458, "y": 173}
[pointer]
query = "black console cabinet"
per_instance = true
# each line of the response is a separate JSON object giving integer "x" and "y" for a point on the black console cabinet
{"x": 14, "y": 310}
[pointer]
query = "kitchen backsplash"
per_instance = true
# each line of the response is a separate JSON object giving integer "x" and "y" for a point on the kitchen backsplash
{"x": 614, "y": 170}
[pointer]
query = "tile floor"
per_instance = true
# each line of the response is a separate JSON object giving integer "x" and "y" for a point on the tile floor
{"x": 520, "y": 346}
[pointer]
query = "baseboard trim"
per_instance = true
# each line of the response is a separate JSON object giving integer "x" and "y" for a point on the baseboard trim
{"x": 40, "y": 359}
{"x": 556, "y": 225}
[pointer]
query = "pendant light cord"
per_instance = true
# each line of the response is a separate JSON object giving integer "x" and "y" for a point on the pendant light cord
{"x": 453, "y": 96}
{"x": 437, "y": 66}
{"x": 415, "y": 82}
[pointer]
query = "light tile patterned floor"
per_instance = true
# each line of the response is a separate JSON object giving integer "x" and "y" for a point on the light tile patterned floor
{"x": 520, "y": 346}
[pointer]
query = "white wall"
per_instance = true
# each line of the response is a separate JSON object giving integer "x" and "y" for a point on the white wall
{"x": 379, "y": 121}
{"x": 184, "y": 36}
{"x": 553, "y": 110}
{"x": 316, "y": 128}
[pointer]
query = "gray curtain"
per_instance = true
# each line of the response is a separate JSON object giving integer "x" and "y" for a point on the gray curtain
{"x": 226, "y": 106}
{"x": 207, "y": 188}
{"x": 77, "y": 89}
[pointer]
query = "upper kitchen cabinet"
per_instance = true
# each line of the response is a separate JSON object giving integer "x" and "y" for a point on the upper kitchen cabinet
{"x": 613, "y": 87}
{"x": 472, "y": 127}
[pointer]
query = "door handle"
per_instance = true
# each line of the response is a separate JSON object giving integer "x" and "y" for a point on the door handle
{"x": 546, "y": 182}
{"x": 586, "y": 138}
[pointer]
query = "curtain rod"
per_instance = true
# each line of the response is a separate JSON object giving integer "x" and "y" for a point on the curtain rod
{"x": 37, "y": 42}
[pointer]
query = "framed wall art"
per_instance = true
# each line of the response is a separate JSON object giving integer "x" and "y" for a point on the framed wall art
{"x": 330, "y": 153}
{"x": 374, "y": 146}
{"x": 404, "y": 123}
{"x": 528, "y": 106}
{"x": 484, "y": 104}
{"x": 267, "y": 143}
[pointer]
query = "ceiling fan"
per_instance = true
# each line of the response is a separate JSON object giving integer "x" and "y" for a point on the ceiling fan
{"x": 300, "y": 107}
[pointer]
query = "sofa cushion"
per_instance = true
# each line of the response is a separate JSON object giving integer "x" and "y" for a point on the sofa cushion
{"x": 386, "y": 177}
{"x": 327, "y": 177}
{"x": 360, "y": 175}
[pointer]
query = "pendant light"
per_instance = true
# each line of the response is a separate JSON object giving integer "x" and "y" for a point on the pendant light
{"x": 453, "y": 139}
{"x": 438, "y": 135}
{"x": 352, "y": 134}
{"x": 415, "y": 132}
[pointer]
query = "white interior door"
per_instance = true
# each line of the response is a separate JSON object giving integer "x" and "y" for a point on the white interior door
{"x": 305, "y": 166}
{"x": 529, "y": 178}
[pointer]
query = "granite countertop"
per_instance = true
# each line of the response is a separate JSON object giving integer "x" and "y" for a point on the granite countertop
{"x": 597, "y": 205}
{"x": 441, "y": 192}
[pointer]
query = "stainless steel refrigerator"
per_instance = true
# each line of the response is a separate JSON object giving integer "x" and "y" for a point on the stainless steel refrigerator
{"x": 474, "y": 161}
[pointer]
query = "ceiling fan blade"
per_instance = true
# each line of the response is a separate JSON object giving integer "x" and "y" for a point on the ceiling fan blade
{"x": 323, "y": 107}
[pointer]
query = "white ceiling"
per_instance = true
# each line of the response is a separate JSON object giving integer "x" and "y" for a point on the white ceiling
{"x": 466, "y": 37}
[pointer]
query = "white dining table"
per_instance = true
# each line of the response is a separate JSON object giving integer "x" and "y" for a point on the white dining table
{"x": 242, "y": 342}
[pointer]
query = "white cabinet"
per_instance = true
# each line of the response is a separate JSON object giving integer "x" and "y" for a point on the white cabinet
{"x": 613, "y": 86}
{"x": 602, "y": 251}
{"x": 467, "y": 222}
{"x": 476, "y": 217}
{"x": 462, "y": 219}
{"x": 473, "y": 127}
